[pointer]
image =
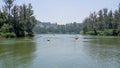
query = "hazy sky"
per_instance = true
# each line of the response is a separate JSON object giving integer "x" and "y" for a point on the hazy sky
{"x": 66, "y": 11}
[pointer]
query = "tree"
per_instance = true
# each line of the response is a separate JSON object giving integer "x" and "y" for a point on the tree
{"x": 8, "y": 6}
{"x": 110, "y": 20}
{"x": 104, "y": 23}
{"x": 2, "y": 18}
{"x": 20, "y": 19}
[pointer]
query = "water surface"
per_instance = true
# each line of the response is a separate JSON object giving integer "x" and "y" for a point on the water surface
{"x": 61, "y": 51}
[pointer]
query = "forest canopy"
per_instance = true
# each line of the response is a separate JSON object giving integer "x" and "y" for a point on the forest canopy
{"x": 104, "y": 22}
{"x": 19, "y": 21}
{"x": 16, "y": 21}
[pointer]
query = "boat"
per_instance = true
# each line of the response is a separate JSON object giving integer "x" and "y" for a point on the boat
{"x": 76, "y": 38}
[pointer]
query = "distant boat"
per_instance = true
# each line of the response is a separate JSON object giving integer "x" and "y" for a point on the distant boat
{"x": 76, "y": 38}
{"x": 48, "y": 40}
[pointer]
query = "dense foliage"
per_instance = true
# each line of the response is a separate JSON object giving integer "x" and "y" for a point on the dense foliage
{"x": 71, "y": 28}
{"x": 104, "y": 22}
{"x": 16, "y": 21}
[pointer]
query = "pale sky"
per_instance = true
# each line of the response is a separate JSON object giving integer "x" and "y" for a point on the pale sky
{"x": 66, "y": 11}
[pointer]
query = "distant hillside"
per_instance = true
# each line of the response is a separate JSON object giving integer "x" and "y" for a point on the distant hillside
{"x": 48, "y": 27}
{"x": 45, "y": 24}
{"x": 41, "y": 27}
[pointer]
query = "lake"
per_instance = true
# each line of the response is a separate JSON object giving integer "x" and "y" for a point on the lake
{"x": 60, "y": 51}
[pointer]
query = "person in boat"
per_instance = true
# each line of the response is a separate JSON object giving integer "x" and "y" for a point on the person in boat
{"x": 76, "y": 38}
{"x": 48, "y": 39}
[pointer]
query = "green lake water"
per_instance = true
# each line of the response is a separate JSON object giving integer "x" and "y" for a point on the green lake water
{"x": 60, "y": 51}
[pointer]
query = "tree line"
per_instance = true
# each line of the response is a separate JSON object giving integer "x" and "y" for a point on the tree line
{"x": 16, "y": 21}
{"x": 19, "y": 21}
{"x": 103, "y": 22}
{"x": 71, "y": 28}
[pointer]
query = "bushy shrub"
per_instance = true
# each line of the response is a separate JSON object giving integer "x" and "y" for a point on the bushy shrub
{"x": 108, "y": 32}
{"x": 100, "y": 33}
{"x": 5, "y": 28}
{"x": 115, "y": 32}
{"x": 4, "y": 32}
{"x": 81, "y": 32}
{"x": 8, "y": 35}
{"x": 91, "y": 32}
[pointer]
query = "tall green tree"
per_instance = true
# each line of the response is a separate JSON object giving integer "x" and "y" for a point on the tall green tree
{"x": 18, "y": 20}
{"x": 9, "y": 5}
{"x": 106, "y": 22}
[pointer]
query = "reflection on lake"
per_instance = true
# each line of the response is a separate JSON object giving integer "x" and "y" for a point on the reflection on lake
{"x": 61, "y": 51}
